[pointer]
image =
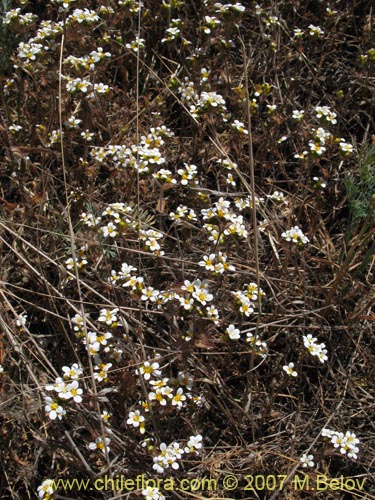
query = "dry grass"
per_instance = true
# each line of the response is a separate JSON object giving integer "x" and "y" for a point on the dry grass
{"x": 254, "y": 419}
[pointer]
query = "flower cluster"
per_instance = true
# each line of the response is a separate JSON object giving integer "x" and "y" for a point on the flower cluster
{"x": 28, "y": 52}
{"x": 97, "y": 342}
{"x": 80, "y": 260}
{"x": 318, "y": 350}
{"x": 247, "y": 299}
{"x": 80, "y": 16}
{"x": 121, "y": 219}
{"x": 164, "y": 391}
{"x": 217, "y": 264}
{"x": 143, "y": 157}
{"x": 183, "y": 212}
{"x": 221, "y": 210}
{"x": 209, "y": 102}
{"x": 325, "y": 113}
{"x": 347, "y": 443}
{"x": 197, "y": 290}
{"x": 170, "y": 454}
{"x": 258, "y": 346}
{"x": 173, "y": 32}
{"x": 321, "y": 138}
{"x": 89, "y": 61}
{"x": 295, "y": 235}
{"x": 66, "y": 388}
{"x": 229, "y": 7}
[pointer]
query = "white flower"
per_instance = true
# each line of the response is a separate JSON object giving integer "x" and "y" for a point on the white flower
{"x": 315, "y": 30}
{"x": 317, "y": 148}
{"x": 233, "y": 332}
{"x": 351, "y": 439}
{"x": 202, "y": 295}
{"x": 21, "y": 321}
{"x": 102, "y": 371}
{"x": 289, "y": 369}
{"x": 148, "y": 369}
{"x": 29, "y": 50}
{"x": 135, "y": 418}
{"x": 136, "y": 44}
{"x": 278, "y": 197}
{"x": 346, "y": 148}
{"x": 74, "y": 122}
{"x": 337, "y": 439}
{"x": 10, "y": 15}
{"x": 326, "y": 113}
{"x": 160, "y": 395}
{"x": 353, "y": 452}
{"x": 126, "y": 269}
{"x": 107, "y": 316}
{"x": 109, "y": 230}
{"x": 208, "y": 262}
{"x": 152, "y": 493}
{"x": 78, "y": 85}
{"x": 89, "y": 219}
{"x": 327, "y": 433}
{"x": 307, "y": 460}
{"x": 186, "y": 302}
{"x": 309, "y": 341}
{"x": 73, "y": 391}
{"x": 105, "y": 415}
{"x": 211, "y": 99}
{"x": 46, "y": 489}
{"x": 73, "y": 372}
{"x": 53, "y": 409}
{"x": 319, "y": 183}
{"x": 159, "y": 382}
{"x": 282, "y": 139}
{"x": 298, "y": 33}
{"x": 322, "y": 135}
{"x": 246, "y": 308}
{"x": 101, "y": 88}
{"x": 150, "y": 294}
{"x": 239, "y": 127}
{"x": 194, "y": 444}
{"x": 102, "y": 338}
{"x": 179, "y": 398}
{"x": 87, "y": 135}
{"x": 100, "y": 444}
{"x": 15, "y": 128}
{"x": 187, "y": 174}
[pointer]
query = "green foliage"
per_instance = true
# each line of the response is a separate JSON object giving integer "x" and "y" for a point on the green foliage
{"x": 360, "y": 190}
